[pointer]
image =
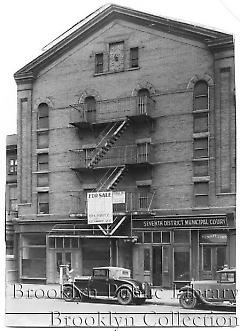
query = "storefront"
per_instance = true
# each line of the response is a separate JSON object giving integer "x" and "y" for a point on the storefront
{"x": 181, "y": 248}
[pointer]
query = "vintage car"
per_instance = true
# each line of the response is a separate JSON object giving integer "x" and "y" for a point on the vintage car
{"x": 210, "y": 292}
{"x": 107, "y": 283}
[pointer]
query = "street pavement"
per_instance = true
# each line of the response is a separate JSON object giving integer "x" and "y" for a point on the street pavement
{"x": 41, "y": 305}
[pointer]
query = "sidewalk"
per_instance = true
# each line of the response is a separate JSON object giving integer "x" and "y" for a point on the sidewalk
{"x": 53, "y": 291}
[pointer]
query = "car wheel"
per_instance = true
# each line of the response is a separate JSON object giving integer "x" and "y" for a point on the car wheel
{"x": 68, "y": 293}
{"x": 125, "y": 296}
{"x": 139, "y": 301}
{"x": 188, "y": 300}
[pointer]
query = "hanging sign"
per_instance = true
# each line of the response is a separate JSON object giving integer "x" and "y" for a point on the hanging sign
{"x": 100, "y": 207}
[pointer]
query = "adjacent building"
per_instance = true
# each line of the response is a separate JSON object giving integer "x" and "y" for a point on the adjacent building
{"x": 11, "y": 205}
{"x": 141, "y": 106}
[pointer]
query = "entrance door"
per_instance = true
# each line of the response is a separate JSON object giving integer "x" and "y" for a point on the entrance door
{"x": 157, "y": 265}
{"x": 213, "y": 259}
{"x": 62, "y": 257}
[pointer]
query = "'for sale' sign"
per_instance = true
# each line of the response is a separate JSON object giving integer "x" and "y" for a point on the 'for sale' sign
{"x": 100, "y": 207}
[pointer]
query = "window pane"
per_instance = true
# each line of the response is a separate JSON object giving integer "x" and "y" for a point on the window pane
{"x": 43, "y": 140}
{"x": 207, "y": 258}
{"x": 147, "y": 259}
{"x": 181, "y": 237}
{"x": 43, "y": 110}
{"x": 157, "y": 238}
{"x": 43, "y": 123}
{"x": 34, "y": 239}
{"x": 51, "y": 242}
{"x": 201, "y": 201}
{"x": 200, "y": 122}
{"x": 66, "y": 242}
{"x": 201, "y": 188}
{"x": 147, "y": 237}
{"x": 43, "y": 161}
{"x": 99, "y": 63}
{"x": 200, "y": 146}
{"x": 200, "y": 168}
{"x": 134, "y": 57}
{"x": 200, "y": 95}
{"x": 201, "y": 103}
{"x": 221, "y": 257}
{"x": 74, "y": 242}
{"x": 42, "y": 180}
{"x": 166, "y": 237}
{"x": 43, "y": 208}
{"x": 59, "y": 242}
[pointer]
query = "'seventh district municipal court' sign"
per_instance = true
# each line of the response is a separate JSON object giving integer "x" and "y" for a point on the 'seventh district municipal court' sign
{"x": 100, "y": 207}
{"x": 198, "y": 222}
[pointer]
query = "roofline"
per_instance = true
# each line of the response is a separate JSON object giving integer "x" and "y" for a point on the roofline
{"x": 214, "y": 39}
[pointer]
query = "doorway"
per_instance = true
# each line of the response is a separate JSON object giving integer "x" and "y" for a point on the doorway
{"x": 62, "y": 257}
{"x": 213, "y": 259}
{"x": 157, "y": 265}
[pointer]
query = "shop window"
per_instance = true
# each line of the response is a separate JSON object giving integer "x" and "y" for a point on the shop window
{"x": 146, "y": 262}
{"x": 207, "y": 258}
{"x": 201, "y": 194}
{"x": 181, "y": 236}
{"x": 181, "y": 263}
{"x": 51, "y": 242}
{"x": 74, "y": 242}
{"x": 33, "y": 254}
{"x": 98, "y": 63}
{"x": 200, "y": 148}
{"x": 200, "y": 95}
{"x": 147, "y": 237}
{"x": 42, "y": 140}
{"x": 200, "y": 122}
{"x": 134, "y": 57}
{"x": 42, "y": 161}
{"x": 59, "y": 242}
{"x": 43, "y": 119}
{"x": 43, "y": 203}
{"x": 42, "y": 180}
{"x": 63, "y": 242}
{"x": 12, "y": 166}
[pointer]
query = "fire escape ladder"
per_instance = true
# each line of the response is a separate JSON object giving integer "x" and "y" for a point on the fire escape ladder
{"x": 110, "y": 138}
{"x": 110, "y": 181}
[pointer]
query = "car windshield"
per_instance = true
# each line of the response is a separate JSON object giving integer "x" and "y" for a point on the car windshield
{"x": 100, "y": 273}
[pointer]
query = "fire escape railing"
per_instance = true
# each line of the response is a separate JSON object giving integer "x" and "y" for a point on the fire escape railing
{"x": 112, "y": 110}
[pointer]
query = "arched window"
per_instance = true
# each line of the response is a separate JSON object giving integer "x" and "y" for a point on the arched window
{"x": 43, "y": 116}
{"x": 90, "y": 108}
{"x": 200, "y": 95}
{"x": 143, "y": 97}
{"x": 90, "y": 104}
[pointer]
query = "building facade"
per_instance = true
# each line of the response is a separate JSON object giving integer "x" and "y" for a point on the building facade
{"x": 11, "y": 205}
{"x": 143, "y": 107}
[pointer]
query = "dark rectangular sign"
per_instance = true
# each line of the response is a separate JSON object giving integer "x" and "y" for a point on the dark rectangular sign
{"x": 177, "y": 222}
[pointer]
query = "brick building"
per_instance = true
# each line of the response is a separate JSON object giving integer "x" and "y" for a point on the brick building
{"x": 10, "y": 205}
{"x": 142, "y": 106}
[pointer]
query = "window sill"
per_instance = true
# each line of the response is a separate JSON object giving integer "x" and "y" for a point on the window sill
{"x": 43, "y": 189}
{"x": 115, "y": 72}
{"x": 43, "y": 215}
{"x": 42, "y": 150}
{"x": 200, "y": 134}
{"x": 200, "y": 111}
{"x": 41, "y": 172}
{"x": 201, "y": 179}
{"x": 42, "y": 130}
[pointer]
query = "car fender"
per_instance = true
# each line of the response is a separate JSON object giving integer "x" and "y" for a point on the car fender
{"x": 126, "y": 285}
{"x": 80, "y": 291}
{"x": 196, "y": 293}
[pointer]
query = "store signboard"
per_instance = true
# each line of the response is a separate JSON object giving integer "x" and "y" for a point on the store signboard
{"x": 181, "y": 222}
{"x": 100, "y": 207}
{"x": 118, "y": 197}
{"x": 213, "y": 238}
